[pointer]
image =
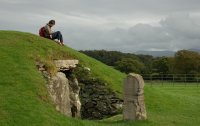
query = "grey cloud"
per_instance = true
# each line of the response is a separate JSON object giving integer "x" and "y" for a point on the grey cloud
{"x": 181, "y": 25}
{"x": 102, "y": 7}
{"x": 112, "y": 25}
{"x": 175, "y": 32}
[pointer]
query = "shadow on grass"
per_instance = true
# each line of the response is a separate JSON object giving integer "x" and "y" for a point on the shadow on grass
{"x": 118, "y": 121}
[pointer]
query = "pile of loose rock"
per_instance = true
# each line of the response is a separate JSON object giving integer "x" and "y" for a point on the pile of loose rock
{"x": 98, "y": 101}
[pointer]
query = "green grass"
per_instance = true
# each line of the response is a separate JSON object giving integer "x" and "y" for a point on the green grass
{"x": 24, "y": 99}
{"x": 169, "y": 106}
{"x": 24, "y": 47}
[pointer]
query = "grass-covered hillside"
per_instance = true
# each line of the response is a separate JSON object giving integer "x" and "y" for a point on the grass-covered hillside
{"x": 23, "y": 94}
{"x": 24, "y": 99}
{"x": 24, "y": 49}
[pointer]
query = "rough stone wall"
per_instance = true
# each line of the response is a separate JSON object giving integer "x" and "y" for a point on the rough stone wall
{"x": 134, "y": 106}
{"x": 98, "y": 101}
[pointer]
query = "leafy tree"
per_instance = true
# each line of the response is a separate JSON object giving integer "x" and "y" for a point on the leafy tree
{"x": 109, "y": 57}
{"x": 171, "y": 64}
{"x": 160, "y": 65}
{"x": 147, "y": 60}
{"x": 129, "y": 65}
{"x": 187, "y": 62}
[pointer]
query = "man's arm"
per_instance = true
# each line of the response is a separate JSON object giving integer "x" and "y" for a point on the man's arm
{"x": 48, "y": 31}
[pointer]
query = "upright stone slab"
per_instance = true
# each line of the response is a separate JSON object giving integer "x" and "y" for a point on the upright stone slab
{"x": 63, "y": 90}
{"x": 134, "y": 107}
{"x": 59, "y": 91}
{"x": 74, "y": 98}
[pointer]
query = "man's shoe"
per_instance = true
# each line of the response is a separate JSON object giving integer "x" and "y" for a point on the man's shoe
{"x": 62, "y": 43}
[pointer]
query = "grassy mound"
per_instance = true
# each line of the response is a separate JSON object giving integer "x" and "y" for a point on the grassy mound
{"x": 24, "y": 98}
{"x": 23, "y": 95}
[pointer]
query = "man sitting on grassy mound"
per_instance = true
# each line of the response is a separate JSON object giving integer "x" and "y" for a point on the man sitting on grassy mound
{"x": 48, "y": 33}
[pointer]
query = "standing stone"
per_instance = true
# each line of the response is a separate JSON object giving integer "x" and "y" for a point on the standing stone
{"x": 74, "y": 98}
{"x": 59, "y": 91}
{"x": 134, "y": 106}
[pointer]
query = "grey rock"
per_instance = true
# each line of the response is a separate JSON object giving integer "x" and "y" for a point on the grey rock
{"x": 96, "y": 114}
{"x": 134, "y": 106}
{"x": 117, "y": 106}
{"x": 41, "y": 69}
{"x": 89, "y": 105}
{"x": 63, "y": 65}
{"x": 59, "y": 91}
{"x": 63, "y": 91}
{"x": 99, "y": 100}
{"x": 74, "y": 97}
{"x": 40, "y": 65}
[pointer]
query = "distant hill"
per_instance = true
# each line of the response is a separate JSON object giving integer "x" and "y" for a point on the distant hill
{"x": 195, "y": 50}
{"x": 156, "y": 53}
{"x": 163, "y": 53}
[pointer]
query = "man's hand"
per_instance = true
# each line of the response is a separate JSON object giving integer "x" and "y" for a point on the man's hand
{"x": 50, "y": 36}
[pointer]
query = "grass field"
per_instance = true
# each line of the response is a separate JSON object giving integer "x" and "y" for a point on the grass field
{"x": 24, "y": 99}
{"x": 169, "y": 106}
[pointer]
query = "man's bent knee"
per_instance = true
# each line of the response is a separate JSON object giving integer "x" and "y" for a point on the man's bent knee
{"x": 58, "y": 32}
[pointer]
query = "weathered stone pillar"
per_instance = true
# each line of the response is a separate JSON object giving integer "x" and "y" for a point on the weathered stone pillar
{"x": 59, "y": 91}
{"x": 63, "y": 90}
{"x": 74, "y": 98}
{"x": 73, "y": 104}
{"x": 134, "y": 106}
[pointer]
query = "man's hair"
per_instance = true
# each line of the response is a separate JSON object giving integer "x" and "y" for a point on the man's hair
{"x": 52, "y": 22}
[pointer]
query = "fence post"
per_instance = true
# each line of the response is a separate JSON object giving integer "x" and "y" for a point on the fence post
{"x": 185, "y": 80}
{"x": 182, "y": 79}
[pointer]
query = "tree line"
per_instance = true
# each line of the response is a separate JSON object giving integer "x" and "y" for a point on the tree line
{"x": 184, "y": 62}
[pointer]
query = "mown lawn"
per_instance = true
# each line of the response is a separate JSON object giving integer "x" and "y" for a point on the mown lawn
{"x": 169, "y": 106}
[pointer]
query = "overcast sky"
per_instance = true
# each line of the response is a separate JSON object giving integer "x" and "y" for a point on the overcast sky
{"x": 123, "y": 25}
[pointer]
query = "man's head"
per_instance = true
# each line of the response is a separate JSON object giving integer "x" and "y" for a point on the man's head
{"x": 51, "y": 23}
